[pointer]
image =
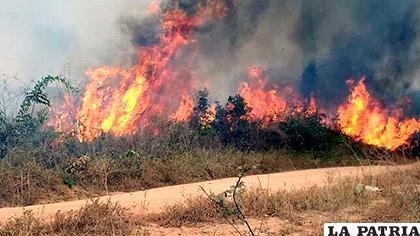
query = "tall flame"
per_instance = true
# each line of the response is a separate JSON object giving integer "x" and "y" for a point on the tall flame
{"x": 117, "y": 100}
{"x": 270, "y": 104}
{"x": 120, "y": 100}
{"x": 363, "y": 118}
{"x": 266, "y": 104}
{"x": 63, "y": 115}
{"x": 185, "y": 109}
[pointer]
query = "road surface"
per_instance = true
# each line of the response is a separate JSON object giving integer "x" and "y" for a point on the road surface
{"x": 153, "y": 200}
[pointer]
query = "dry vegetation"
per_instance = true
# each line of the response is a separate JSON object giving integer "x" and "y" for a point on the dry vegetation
{"x": 26, "y": 180}
{"x": 398, "y": 200}
{"x": 39, "y": 164}
{"x": 299, "y": 211}
{"x": 96, "y": 218}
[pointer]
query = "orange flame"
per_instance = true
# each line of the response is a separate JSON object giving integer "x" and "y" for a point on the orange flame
{"x": 62, "y": 117}
{"x": 117, "y": 100}
{"x": 312, "y": 107}
{"x": 363, "y": 118}
{"x": 266, "y": 104}
{"x": 185, "y": 109}
{"x": 271, "y": 105}
{"x": 209, "y": 116}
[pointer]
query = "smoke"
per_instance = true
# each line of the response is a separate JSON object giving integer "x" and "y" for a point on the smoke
{"x": 62, "y": 37}
{"x": 317, "y": 45}
{"x": 376, "y": 38}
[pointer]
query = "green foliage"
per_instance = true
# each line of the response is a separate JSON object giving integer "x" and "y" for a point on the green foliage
{"x": 237, "y": 108}
{"x": 307, "y": 133}
{"x": 25, "y": 131}
{"x": 69, "y": 181}
{"x": 38, "y": 96}
{"x": 230, "y": 124}
{"x": 201, "y": 105}
{"x": 299, "y": 132}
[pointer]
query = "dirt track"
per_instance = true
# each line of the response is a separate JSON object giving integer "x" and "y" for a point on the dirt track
{"x": 154, "y": 199}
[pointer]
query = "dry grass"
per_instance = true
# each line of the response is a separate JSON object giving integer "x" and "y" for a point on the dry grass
{"x": 191, "y": 211}
{"x": 27, "y": 182}
{"x": 302, "y": 210}
{"x": 28, "y": 224}
{"x": 23, "y": 181}
{"x": 95, "y": 218}
{"x": 399, "y": 200}
{"x": 264, "y": 203}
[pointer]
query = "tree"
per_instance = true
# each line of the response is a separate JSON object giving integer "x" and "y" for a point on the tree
{"x": 230, "y": 123}
{"x": 201, "y": 106}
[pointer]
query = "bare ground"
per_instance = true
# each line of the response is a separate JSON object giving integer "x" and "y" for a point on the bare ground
{"x": 153, "y": 200}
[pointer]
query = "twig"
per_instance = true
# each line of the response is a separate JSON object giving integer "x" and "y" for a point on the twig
{"x": 239, "y": 209}
{"x": 222, "y": 207}
{"x": 354, "y": 152}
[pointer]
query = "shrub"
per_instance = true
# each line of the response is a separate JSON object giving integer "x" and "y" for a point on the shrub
{"x": 309, "y": 134}
{"x": 231, "y": 126}
{"x": 23, "y": 179}
{"x": 95, "y": 218}
{"x": 27, "y": 224}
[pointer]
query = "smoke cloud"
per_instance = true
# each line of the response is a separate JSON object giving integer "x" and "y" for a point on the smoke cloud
{"x": 55, "y": 37}
{"x": 316, "y": 45}
{"x": 353, "y": 38}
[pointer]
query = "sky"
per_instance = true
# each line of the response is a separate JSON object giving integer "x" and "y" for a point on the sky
{"x": 41, "y": 37}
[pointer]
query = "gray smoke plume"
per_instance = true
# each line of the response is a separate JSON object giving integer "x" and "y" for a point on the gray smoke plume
{"x": 59, "y": 37}
{"x": 316, "y": 45}
{"x": 378, "y": 39}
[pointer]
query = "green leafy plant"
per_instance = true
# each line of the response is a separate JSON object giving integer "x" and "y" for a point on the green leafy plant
{"x": 38, "y": 96}
{"x": 69, "y": 181}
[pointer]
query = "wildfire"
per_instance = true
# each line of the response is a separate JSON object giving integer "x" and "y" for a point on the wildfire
{"x": 185, "y": 109}
{"x": 63, "y": 116}
{"x": 363, "y": 118}
{"x": 118, "y": 100}
{"x": 266, "y": 105}
{"x": 272, "y": 105}
{"x": 312, "y": 107}
{"x": 209, "y": 116}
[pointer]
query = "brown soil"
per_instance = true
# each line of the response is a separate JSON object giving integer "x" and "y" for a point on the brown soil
{"x": 152, "y": 201}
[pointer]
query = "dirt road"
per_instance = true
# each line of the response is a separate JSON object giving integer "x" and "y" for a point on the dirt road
{"x": 154, "y": 199}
